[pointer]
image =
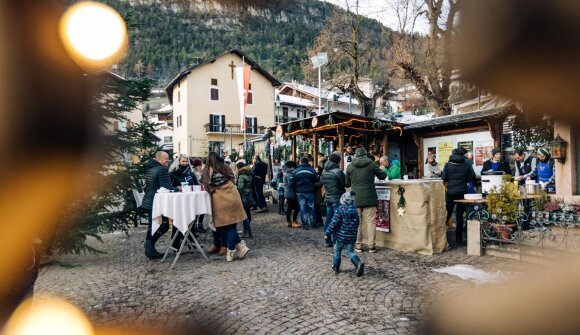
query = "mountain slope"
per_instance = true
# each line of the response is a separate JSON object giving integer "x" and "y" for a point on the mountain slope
{"x": 168, "y": 36}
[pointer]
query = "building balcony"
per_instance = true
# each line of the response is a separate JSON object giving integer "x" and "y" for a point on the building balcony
{"x": 232, "y": 128}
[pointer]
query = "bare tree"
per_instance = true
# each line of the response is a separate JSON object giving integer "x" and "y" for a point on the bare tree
{"x": 357, "y": 57}
{"x": 426, "y": 61}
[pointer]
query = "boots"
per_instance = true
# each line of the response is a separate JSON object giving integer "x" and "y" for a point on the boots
{"x": 213, "y": 250}
{"x": 242, "y": 249}
{"x": 150, "y": 251}
{"x": 223, "y": 251}
{"x": 360, "y": 266}
{"x": 289, "y": 224}
{"x": 336, "y": 268}
{"x": 230, "y": 255}
{"x": 295, "y": 224}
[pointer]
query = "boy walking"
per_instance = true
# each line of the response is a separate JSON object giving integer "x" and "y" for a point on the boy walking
{"x": 344, "y": 226}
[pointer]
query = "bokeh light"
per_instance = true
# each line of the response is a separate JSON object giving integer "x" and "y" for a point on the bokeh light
{"x": 48, "y": 316}
{"x": 94, "y": 34}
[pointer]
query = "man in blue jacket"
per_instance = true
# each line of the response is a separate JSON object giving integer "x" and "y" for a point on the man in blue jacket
{"x": 303, "y": 182}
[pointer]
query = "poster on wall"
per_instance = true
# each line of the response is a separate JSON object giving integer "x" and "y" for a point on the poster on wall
{"x": 466, "y": 145}
{"x": 483, "y": 152}
{"x": 432, "y": 151}
{"x": 444, "y": 150}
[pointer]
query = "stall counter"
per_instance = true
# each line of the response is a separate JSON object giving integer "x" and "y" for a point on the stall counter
{"x": 421, "y": 228}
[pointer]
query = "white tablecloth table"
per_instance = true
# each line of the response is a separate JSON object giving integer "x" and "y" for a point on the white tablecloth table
{"x": 183, "y": 208}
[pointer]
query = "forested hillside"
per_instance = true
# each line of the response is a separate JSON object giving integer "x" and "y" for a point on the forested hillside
{"x": 169, "y": 36}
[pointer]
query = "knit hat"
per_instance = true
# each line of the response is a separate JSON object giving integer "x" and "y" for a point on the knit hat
{"x": 243, "y": 161}
{"x": 544, "y": 152}
{"x": 457, "y": 152}
{"x": 347, "y": 198}
{"x": 336, "y": 152}
{"x": 196, "y": 162}
{"x": 360, "y": 152}
{"x": 496, "y": 151}
{"x": 334, "y": 158}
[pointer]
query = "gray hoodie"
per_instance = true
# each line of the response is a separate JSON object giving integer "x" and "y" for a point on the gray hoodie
{"x": 333, "y": 180}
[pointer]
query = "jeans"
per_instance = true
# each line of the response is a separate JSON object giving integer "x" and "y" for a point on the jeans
{"x": 248, "y": 221}
{"x": 292, "y": 209}
{"x": 260, "y": 193}
{"x": 338, "y": 246}
{"x": 330, "y": 208}
{"x": 229, "y": 236}
{"x": 217, "y": 239}
{"x": 306, "y": 202}
{"x": 459, "y": 210}
{"x": 281, "y": 203}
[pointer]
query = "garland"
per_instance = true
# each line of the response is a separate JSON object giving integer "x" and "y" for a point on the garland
{"x": 402, "y": 201}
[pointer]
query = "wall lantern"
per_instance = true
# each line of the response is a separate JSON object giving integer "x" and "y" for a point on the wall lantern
{"x": 558, "y": 146}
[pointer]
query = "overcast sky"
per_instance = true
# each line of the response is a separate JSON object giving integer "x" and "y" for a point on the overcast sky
{"x": 381, "y": 11}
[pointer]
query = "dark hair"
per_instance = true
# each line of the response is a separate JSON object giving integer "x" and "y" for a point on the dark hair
{"x": 240, "y": 165}
{"x": 258, "y": 158}
{"x": 304, "y": 160}
{"x": 214, "y": 160}
{"x": 371, "y": 156}
{"x": 519, "y": 152}
{"x": 290, "y": 164}
{"x": 334, "y": 158}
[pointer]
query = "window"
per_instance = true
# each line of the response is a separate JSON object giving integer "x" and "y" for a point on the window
{"x": 250, "y": 97}
{"x": 178, "y": 95}
{"x": 213, "y": 82}
{"x": 251, "y": 125}
{"x": 216, "y": 146}
{"x": 214, "y": 94}
{"x": 285, "y": 113}
{"x": 217, "y": 123}
{"x": 167, "y": 139}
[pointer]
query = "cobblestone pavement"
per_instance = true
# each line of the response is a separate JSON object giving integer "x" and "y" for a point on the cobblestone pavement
{"x": 285, "y": 285}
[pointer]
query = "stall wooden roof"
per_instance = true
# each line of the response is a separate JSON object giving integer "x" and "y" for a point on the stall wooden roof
{"x": 328, "y": 123}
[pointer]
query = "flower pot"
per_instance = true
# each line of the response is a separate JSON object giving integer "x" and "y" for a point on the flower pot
{"x": 503, "y": 230}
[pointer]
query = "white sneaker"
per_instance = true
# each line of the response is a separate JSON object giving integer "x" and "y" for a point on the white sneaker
{"x": 230, "y": 255}
{"x": 242, "y": 249}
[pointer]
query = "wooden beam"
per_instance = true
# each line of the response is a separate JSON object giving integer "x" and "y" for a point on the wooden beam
{"x": 341, "y": 146}
{"x": 453, "y": 131}
{"x": 294, "y": 148}
{"x": 385, "y": 144}
{"x": 315, "y": 149}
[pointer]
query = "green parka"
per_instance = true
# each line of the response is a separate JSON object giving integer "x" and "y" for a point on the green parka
{"x": 360, "y": 175}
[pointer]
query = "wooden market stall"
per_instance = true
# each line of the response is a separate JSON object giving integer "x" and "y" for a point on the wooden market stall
{"x": 340, "y": 130}
{"x": 478, "y": 132}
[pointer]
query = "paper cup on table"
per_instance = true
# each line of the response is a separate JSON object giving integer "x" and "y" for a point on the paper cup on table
{"x": 196, "y": 188}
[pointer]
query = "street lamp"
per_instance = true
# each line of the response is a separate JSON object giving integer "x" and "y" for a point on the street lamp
{"x": 317, "y": 61}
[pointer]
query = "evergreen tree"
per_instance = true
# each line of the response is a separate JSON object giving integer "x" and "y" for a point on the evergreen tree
{"x": 109, "y": 207}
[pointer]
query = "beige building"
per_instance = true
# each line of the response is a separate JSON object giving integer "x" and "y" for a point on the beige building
{"x": 206, "y": 108}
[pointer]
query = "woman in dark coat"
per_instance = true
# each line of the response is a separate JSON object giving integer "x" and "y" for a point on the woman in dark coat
{"x": 181, "y": 171}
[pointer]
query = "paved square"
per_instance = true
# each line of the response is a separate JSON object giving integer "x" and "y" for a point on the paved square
{"x": 285, "y": 285}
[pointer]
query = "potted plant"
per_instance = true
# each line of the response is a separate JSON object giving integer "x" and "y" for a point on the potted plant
{"x": 502, "y": 205}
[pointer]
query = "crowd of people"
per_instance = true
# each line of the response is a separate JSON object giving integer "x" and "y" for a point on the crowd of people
{"x": 303, "y": 189}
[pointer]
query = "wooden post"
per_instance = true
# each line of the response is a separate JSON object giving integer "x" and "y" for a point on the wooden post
{"x": 315, "y": 149}
{"x": 386, "y": 144}
{"x": 294, "y": 148}
{"x": 341, "y": 146}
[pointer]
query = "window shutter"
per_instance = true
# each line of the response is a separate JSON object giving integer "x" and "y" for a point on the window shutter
{"x": 223, "y": 122}
{"x": 255, "y": 124}
{"x": 211, "y": 122}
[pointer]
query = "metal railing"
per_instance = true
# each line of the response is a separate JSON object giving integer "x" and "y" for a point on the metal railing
{"x": 231, "y": 128}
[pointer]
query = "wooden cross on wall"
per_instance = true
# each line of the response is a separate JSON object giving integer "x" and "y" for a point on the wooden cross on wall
{"x": 232, "y": 66}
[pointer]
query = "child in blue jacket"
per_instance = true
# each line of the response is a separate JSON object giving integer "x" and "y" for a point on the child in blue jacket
{"x": 344, "y": 226}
